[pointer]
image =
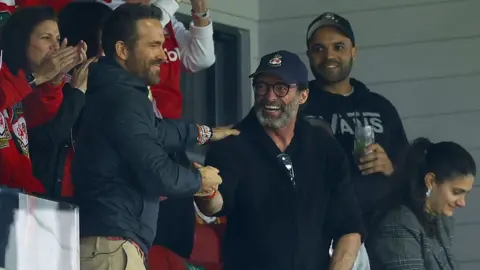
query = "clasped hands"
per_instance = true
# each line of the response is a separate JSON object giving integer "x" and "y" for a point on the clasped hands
{"x": 57, "y": 63}
{"x": 210, "y": 175}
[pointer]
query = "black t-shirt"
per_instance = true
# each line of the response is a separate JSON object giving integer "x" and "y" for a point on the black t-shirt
{"x": 274, "y": 222}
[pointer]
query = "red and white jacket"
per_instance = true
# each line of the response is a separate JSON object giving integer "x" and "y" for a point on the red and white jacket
{"x": 188, "y": 50}
{"x": 15, "y": 165}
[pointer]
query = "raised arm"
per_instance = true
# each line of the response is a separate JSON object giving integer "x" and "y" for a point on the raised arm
{"x": 197, "y": 50}
{"x": 52, "y": 110}
{"x": 137, "y": 141}
{"x": 176, "y": 135}
{"x": 196, "y": 43}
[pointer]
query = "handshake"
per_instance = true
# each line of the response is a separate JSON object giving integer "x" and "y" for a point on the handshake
{"x": 210, "y": 180}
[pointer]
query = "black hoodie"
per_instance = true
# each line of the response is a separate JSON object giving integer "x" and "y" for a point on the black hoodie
{"x": 371, "y": 109}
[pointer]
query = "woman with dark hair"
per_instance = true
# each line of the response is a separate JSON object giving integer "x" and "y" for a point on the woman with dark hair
{"x": 415, "y": 230}
{"x": 52, "y": 155}
{"x": 34, "y": 59}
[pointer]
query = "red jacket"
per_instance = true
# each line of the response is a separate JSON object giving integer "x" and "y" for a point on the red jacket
{"x": 55, "y": 4}
{"x": 15, "y": 166}
{"x": 167, "y": 94}
{"x": 41, "y": 107}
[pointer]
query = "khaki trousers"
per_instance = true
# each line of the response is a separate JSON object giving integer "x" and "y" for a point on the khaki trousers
{"x": 101, "y": 253}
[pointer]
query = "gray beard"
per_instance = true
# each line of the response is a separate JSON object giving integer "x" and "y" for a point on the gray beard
{"x": 287, "y": 113}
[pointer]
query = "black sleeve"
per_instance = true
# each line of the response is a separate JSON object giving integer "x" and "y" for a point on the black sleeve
{"x": 345, "y": 215}
{"x": 229, "y": 168}
{"x": 176, "y": 135}
{"x": 58, "y": 129}
{"x": 134, "y": 135}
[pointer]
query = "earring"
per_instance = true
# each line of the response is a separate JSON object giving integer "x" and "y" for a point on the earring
{"x": 429, "y": 191}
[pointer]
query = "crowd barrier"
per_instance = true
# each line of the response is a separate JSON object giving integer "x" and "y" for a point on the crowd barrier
{"x": 38, "y": 234}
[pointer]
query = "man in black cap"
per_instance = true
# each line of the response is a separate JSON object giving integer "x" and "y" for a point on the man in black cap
{"x": 365, "y": 123}
{"x": 283, "y": 181}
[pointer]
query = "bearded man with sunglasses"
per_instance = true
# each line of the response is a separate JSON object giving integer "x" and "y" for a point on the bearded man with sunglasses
{"x": 284, "y": 180}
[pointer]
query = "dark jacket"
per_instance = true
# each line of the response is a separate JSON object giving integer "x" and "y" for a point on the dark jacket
{"x": 275, "y": 222}
{"x": 370, "y": 109}
{"x": 176, "y": 219}
{"x": 121, "y": 165}
{"x": 401, "y": 242}
{"x": 51, "y": 115}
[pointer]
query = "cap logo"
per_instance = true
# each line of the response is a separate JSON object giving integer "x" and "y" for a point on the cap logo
{"x": 330, "y": 16}
{"x": 276, "y": 61}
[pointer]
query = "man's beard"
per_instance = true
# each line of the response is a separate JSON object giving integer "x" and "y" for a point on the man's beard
{"x": 142, "y": 71}
{"x": 328, "y": 77}
{"x": 287, "y": 112}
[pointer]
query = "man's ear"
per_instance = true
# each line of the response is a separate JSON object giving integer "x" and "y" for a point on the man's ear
{"x": 354, "y": 52}
{"x": 121, "y": 50}
{"x": 304, "y": 96}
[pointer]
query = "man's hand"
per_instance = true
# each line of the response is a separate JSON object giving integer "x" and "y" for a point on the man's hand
{"x": 223, "y": 132}
{"x": 375, "y": 161}
{"x": 210, "y": 180}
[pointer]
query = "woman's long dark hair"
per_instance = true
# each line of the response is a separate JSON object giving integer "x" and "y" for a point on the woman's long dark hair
{"x": 446, "y": 160}
{"x": 16, "y": 34}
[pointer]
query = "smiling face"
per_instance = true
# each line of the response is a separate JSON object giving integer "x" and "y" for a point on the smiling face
{"x": 331, "y": 55}
{"x": 147, "y": 54}
{"x": 276, "y": 102}
{"x": 448, "y": 195}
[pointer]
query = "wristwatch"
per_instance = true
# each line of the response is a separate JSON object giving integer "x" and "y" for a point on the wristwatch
{"x": 201, "y": 15}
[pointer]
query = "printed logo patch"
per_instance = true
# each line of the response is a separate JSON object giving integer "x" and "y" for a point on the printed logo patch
{"x": 5, "y": 135}
{"x": 276, "y": 61}
{"x": 20, "y": 131}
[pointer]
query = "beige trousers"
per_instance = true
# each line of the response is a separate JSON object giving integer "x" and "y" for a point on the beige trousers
{"x": 100, "y": 253}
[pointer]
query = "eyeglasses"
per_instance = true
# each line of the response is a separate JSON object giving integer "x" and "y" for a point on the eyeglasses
{"x": 279, "y": 89}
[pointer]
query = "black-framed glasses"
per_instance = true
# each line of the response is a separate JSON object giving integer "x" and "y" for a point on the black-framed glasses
{"x": 279, "y": 89}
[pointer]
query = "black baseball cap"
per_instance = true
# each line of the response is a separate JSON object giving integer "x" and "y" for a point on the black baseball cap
{"x": 286, "y": 65}
{"x": 332, "y": 20}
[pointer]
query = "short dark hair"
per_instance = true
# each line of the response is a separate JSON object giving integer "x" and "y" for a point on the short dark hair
{"x": 122, "y": 25}
{"x": 16, "y": 35}
{"x": 83, "y": 21}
